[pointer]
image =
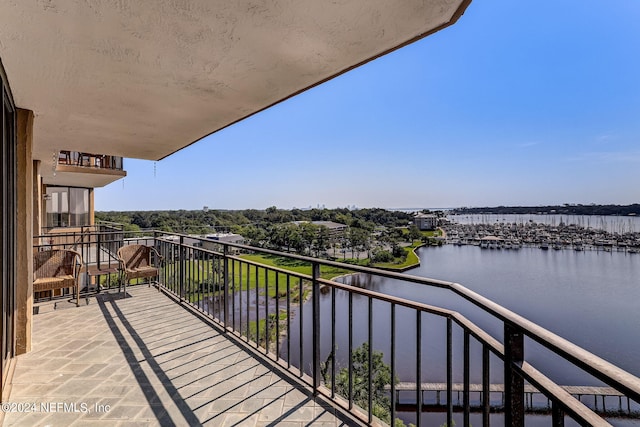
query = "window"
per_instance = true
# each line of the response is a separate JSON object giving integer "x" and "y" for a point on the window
{"x": 67, "y": 206}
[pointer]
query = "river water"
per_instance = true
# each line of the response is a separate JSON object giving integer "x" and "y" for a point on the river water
{"x": 590, "y": 298}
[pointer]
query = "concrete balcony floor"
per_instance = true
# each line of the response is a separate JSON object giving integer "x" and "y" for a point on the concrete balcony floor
{"x": 147, "y": 361}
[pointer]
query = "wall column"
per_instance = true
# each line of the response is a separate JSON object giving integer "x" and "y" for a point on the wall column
{"x": 24, "y": 229}
{"x": 92, "y": 211}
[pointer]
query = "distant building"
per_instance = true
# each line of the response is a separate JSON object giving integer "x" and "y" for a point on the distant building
{"x": 225, "y": 237}
{"x": 425, "y": 221}
{"x": 206, "y": 241}
{"x": 209, "y": 244}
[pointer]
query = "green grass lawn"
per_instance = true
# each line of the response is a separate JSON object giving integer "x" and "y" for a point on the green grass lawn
{"x": 432, "y": 233}
{"x": 203, "y": 278}
{"x": 326, "y": 272}
{"x": 411, "y": 260}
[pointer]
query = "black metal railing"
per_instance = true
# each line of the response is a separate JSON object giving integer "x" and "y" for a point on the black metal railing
{"x": 98, "y": 244}
{"x": 366, "y": 351}
{"x": 265, "y": 304}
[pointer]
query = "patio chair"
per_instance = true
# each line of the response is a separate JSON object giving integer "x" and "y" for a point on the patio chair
{"x": 136, "y": 263}
{"x": 57, "y": 269}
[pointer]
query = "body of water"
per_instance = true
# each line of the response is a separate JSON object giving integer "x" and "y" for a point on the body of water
{"x": 590, "y": 298}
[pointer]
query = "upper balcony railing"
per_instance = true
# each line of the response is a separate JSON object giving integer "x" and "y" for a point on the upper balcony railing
{"x": 379, "y": 356}
{"x": 89, "y": 160}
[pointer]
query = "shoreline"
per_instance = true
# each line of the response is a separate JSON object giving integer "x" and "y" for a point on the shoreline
{"x": 407, "y": 267}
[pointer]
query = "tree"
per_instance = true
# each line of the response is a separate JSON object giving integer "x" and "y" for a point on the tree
{"x": 380, "y": 378}
{"x": 285, "y": 235}
{"x": 322, "y": 239}
{"x": 256, "y": 236}
{"x": 358, "y": 239}
{"x": 380, "y": 255}
{"x": 308, "y": 232}
{"x": 399, "y": 252}
{"x": 414, "y": 233}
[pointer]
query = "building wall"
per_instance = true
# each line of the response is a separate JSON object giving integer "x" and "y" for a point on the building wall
{"x": 24, "y": 293}
{"x": 426, "y": 222}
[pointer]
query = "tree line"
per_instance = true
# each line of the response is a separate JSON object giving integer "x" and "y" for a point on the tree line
{"x": 195, "y": 221}
{"x": 277, "y": 228}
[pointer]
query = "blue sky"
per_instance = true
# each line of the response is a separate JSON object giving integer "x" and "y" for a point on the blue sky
{"x": 526, "y": 102}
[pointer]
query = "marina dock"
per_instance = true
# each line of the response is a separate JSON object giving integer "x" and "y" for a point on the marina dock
{"x": 509, "y": 235}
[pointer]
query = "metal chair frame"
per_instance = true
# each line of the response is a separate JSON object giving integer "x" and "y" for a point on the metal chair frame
{"x": 136, "y": 263}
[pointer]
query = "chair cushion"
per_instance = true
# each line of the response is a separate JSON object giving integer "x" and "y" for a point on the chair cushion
{"x": 141, "y": 272}
{"x": 49, "y": 283}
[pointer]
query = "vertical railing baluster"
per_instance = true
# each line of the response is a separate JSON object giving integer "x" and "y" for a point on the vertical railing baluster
{"x": 211, "y": 287}
{"x": 350, "y": 350}
{"x": 199, "y": 259}
{"x": 216, "y": 280}
{"x": 370, "y": 362}
{"x": 277, "y": 316}
{"x": 557, "y": 415}
{"x": 257, "y": 338}
{"x": 248, "y": 336}
{"x": 239, "y": 296}
{"x": 172, "y": 281}
{"x": 98, "y": 250}
{"x": 315, "y": 297}
{"x": 333, "y": 342}
{"x": 163, "y": 270}
{"x": 486, "y": 382}
{"x": 466, "y": 375}
{"x": 232, "y": 285}
{"x": 514, "y": 383}
{"x": 301, "y": 335}
{"x": 393, "y": 363}
{"x": 418, "y": 368}
{"x": 192, "y": 275}
{"x": 288, "y": 321}
{"x": 449, "y": 371}
{"x": 215, "y": 290}
{"x": 266, "y": 311}
{"x": 181, "y": 251}
{"x": 225, "y": 283}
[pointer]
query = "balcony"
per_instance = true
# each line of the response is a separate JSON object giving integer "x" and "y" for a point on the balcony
{"x": 229, "y": 339}
{"x": 92, "y": 170}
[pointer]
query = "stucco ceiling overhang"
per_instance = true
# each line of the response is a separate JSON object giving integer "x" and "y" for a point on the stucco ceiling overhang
{"x": 83, "y": 178}
{"x": 144, "y": 79}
